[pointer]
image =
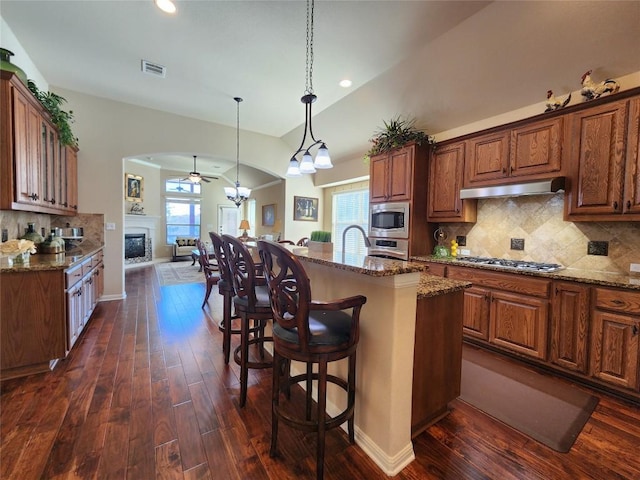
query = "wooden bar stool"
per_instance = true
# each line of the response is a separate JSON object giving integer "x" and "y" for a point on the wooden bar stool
{"x": 312, "y": 332}
{"x": 251, "y": 302}
{"x": 210, "y": 274}
{"x": 225, "y": 288}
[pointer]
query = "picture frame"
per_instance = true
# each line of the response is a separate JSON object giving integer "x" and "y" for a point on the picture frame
{"x": 133, "y": 187}
{"x": 269, "y": 215}
{"x": 305, "y": 209}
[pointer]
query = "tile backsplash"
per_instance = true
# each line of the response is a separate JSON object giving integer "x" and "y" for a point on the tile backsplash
{"x": 547, "y": 237}
{"x": 16, "y": 223}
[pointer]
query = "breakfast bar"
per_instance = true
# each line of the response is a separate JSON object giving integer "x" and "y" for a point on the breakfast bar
{"x": 388, "y": 327}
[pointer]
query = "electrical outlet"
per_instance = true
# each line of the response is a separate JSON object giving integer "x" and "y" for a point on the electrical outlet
{"x": 634, "y": 267}
{"x": 598, "y": 248}
{"x": 464, "y": 251}
{"x": 5, "y": 235}
{"x": 461, "y": 240}
{"x": 517, "y": 244}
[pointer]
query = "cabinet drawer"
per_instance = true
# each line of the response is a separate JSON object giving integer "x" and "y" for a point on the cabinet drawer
{"x": 87, "y": 266}
{"x": 438, "y": 269}
{"x": 96, "y": 259}
{"x": 618, "y": 300}
{"x": 502, "y": 281}
{"x": 73, "y": 276}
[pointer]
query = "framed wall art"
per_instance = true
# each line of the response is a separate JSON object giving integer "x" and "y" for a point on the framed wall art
{"x": 269, "y": 215}
{"x": 133, "y": 187}
{"x": 305, "y": 209}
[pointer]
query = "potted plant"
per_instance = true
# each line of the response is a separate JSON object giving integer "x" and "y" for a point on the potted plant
{"x": 320, "y": 241}
{"x": 395, "y": 134}
{"x": 61, "y": 119}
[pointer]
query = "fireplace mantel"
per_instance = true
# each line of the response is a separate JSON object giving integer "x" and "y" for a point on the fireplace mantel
{"x": 141, "y": 221}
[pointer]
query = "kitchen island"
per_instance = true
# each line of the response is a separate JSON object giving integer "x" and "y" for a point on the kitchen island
{"x": 397, "y": 341}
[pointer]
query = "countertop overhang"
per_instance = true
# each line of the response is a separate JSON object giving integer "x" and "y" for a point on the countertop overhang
{"x": 53, "y": 261}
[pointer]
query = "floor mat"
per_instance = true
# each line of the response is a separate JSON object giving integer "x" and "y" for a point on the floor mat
{"x": 176, "y": 273}
{"x": 542, "y": 407}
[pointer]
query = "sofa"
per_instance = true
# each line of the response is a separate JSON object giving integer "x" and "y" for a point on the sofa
{"x": 183, "y": 246}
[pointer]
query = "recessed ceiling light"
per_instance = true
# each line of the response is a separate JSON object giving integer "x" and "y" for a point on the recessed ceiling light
{"x": 166, "y": 6}
{"x": 345, "y": 83}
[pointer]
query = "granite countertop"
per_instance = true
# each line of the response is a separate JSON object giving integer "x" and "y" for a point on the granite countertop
{"x": 53, "y": 261}
{"x": 433, "y": 285}
{"x": 593, "y": 277}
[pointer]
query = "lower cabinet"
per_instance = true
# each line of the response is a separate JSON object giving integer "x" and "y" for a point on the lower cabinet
{"x": 615, "y": 350}
{"x": 570, "y": 326}
{"x": 507, "y": 310}
{"x": 42, "y": 314}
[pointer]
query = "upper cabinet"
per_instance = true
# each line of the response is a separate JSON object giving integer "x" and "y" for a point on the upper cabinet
{"x": 36, "y": 176}
{"x": 392, "y": 175}
{"x": 530, "y": 151}
{"x": 604, "y": 163}
{"x": 446, "y": 172}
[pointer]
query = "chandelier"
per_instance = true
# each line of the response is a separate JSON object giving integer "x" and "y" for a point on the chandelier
{"x": 322, "y": 160}
{"x": 237, "y": 194}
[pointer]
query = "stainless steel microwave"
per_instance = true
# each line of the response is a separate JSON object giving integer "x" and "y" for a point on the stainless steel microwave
{"x": 389, "y": 220}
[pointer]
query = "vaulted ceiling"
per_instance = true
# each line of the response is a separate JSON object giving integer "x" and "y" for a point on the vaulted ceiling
{"x": 446, "y": 63}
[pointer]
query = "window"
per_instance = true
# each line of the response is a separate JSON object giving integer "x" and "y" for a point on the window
{"x": 182, "y": 210}
{"x": 350, "y": 208}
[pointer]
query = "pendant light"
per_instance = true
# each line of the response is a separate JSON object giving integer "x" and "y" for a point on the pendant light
{"x": 307, "y": 164}
{"x": 237, "y": 194}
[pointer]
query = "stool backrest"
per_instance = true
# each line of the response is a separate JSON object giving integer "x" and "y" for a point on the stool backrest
{"x": 204, "y": 258}
{"x": 221, "y": 258}
{"x": 289, "y": 289}
{"x": 242, "y": 267}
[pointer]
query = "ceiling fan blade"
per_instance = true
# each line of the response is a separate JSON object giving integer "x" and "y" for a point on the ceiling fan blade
{"x": 209, "y": 177}
{"x": 204, "y": 179}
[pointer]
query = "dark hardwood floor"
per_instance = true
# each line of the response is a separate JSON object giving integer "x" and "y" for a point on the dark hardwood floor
{"x": 145, "y": 394}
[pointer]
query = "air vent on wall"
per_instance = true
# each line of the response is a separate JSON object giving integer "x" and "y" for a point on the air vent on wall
{"x": 153, "y": 69}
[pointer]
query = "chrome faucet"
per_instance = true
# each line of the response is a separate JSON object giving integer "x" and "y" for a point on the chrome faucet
{"x": 344, "y": 236}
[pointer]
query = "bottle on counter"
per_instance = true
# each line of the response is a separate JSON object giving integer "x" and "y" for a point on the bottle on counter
{"x": 30, "y": 233}
{"x": 54, "y": 243}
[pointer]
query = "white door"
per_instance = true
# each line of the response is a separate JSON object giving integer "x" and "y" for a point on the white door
{"x": 228, "y": 220}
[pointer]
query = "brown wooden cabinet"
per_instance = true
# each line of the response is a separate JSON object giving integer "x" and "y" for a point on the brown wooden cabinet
{"x": 446, "y": 174}
{"x": 604, "y": 182}
{"x": 33, "y": 168}
{"x": 529, "y": 151}
{"x": 570, "y": 326}
{"x": 615, "y": 349}
{"x": 392, "y": 175}
{"x": 518, "y": 310}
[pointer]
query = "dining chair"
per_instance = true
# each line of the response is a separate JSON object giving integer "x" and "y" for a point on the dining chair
{"x": 303, "y": 242}
{"x": 210, "y": 275}
{"x": 311, "y": 332}
{"x": 251, "y": 302}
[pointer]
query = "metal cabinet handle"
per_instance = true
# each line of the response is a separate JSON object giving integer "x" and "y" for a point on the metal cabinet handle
{"x": 628, "y": 204}
{"x": 617, "y": 302}
{"x": 634, "y": 330}
{"x": 615, "y": 205}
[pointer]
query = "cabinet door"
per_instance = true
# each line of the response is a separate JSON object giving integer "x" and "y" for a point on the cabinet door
{"x": 476, "y": 312}
{"x": 632, "y": 169}
{"x": 379, "y": 179}
{"x": 597, "y": 150}
{"x": 71, "y": 179}
{"x": 74, "y": 314}
{"x": 401, "y": 174}
{"x": 614, "y": 348}
{"x": 519, "y": 323}
{"x": 570, "y": 326}
{"x": 26, "y": 150}
{"x": 446, "y": 172}
{"x": 49, "y": 163}
{"x": 536, "y": 148}
{"x": 487, "y": 158}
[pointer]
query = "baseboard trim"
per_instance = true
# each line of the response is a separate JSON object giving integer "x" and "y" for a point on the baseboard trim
{"x": 390, "y": 465}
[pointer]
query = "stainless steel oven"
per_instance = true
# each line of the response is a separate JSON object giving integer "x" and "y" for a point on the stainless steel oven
{"x": 389, "y": 220}
{"x": 389, "y": 248}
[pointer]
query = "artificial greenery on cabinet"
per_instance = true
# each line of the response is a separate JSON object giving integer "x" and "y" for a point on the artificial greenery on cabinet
{"x": 395, "y": 134}
{"x": 62, "y": 119}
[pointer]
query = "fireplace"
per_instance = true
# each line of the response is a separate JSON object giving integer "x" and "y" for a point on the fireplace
{"x": 137, "y": 248}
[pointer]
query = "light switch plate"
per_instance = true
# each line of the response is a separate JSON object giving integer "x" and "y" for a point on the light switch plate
{"x": 634, "y": 267}
{"x": 111, "y": 226}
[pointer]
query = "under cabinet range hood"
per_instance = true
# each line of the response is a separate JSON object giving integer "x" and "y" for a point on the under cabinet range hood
{"x": 539, "y": 187}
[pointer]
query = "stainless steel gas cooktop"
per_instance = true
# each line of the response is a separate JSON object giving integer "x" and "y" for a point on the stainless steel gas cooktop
{"x": 522, "y": 265}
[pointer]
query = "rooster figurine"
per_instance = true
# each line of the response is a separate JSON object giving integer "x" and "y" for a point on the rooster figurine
{"x": 592, "y": 90}
{"x": 554, "y": 104}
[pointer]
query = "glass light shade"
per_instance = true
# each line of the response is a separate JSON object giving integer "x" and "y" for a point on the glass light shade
{"x": 230, "y": 192}
{"x": 294, "y": 168}
{"x": 244, "y": 225}
{"x": 323, "y": 160}
{"x": 306, "y": 166}
{"x": 244, "y": 192}
{"x": 195, "y": 178}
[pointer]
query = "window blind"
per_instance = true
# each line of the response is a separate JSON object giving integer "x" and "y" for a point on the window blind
{"x": 350, "y": 208}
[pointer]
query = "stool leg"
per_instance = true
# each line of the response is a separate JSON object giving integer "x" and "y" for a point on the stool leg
{"x": 244, "y": 358}
{"x": 275, "y": 400}
{"x": 206, "y": 295}
{"x": 309, "y": 390}
{"x": 322, "y": 407}
{"x": 226, "y": 323}
{"x": 351, "y": 396}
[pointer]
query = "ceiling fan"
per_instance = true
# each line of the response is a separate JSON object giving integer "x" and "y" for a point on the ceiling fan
{"x": 196, "y": 177}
